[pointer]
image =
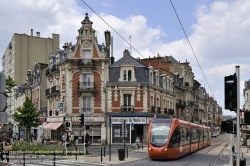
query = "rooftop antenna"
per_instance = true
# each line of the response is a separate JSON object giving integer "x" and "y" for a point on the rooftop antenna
{"x": 130, "y": 45}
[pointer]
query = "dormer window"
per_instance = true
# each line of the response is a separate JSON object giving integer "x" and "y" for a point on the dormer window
{"x": 127, "y": 72}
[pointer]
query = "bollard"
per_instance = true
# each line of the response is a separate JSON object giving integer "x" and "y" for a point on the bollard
{"x": 101, "y": 155}
{"x": 127, "y": 152}
{"x": 104, "y": 152}
{"x": 24, "y": 158}
{"x": 76, "y": 153}
{"x": 54, "y": 159}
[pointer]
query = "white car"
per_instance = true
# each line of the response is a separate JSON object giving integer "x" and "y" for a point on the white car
{"x": 214, "y": 134}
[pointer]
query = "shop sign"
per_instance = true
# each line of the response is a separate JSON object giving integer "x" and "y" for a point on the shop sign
{"x": 54, "y": 119}
{"x": 129, "y": 120}
{"x": 88, "y": 119}
{"x": 43, "y": 119}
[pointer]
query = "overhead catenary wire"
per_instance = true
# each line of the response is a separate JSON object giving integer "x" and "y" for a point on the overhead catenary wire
{"x": 191, "y": 46}
{"x": 113, "y": 29}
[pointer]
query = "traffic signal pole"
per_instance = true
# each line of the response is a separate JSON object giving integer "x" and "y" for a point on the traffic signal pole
{"x": 84, "y": 133}
{"x": 237, "y": 68}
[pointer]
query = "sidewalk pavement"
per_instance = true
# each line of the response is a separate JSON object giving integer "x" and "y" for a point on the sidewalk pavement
{"x": 132, "y": 156}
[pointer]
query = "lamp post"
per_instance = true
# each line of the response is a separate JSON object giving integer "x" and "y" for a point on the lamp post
{"x": 107, "y": 41}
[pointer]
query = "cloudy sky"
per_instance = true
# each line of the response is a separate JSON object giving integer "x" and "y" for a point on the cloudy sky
{"x": 219, "y": 31}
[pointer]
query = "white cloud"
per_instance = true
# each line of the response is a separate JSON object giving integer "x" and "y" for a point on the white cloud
{"x": 220, "y": 36}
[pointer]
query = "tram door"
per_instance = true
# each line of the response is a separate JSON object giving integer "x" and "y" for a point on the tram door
{"x": 137, "y": 132}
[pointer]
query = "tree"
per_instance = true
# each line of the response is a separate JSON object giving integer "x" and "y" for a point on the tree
{"x": 9, "y": 85}
{"x": 27, "y": 116}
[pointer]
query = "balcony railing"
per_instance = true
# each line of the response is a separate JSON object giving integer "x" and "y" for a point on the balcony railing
{"x": 47, "y": 92}
{"x": 86, "y": 111}
{"x": 127, "y": 108}
{"x": 47, "y": 72}
{"x": 158, "y": 110}
{"x": 54, "y": 68}
{"x": 55, "y": 89}
{"x": 86, "y": 63}
{"x": 152, "y": 109}
{"x": 86, "y": 87}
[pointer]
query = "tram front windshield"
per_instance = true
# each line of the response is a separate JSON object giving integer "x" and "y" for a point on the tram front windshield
{"x": 159, "y": 134}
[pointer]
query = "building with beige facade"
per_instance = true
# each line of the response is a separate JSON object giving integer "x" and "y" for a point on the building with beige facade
{"x": 21, "y": 54}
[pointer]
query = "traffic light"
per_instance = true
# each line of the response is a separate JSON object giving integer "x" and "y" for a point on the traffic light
{"x": 67, "y": 124}
{"x": 231, "y": 92}
{"x": 247, "y": 117}
{"x": 228, "y": 126}
{"x": 82, "y": 119}
{"x": 87, "y": 127}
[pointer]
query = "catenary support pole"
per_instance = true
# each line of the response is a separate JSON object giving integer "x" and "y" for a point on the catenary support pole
{"x": 238, "y": 114}
{"x": 110, "y": 138}
{"x": 230, "y": 150}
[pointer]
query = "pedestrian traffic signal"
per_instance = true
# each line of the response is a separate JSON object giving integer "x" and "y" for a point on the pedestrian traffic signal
{"x": 82, "y": 119}
{"x": 228, "y": 126}
{"x": 231, "y": 92}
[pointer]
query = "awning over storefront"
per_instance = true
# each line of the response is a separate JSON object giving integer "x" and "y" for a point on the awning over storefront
{"x": 52, "y": 126}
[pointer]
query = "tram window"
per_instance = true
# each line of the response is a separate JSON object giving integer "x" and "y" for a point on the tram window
{"x": 184, "y": 136}
{"x": 175, "y": 139}
{"x": 194, "y": 136}
{"x": 159, "y": 134}
{"x": 205, "y": 134}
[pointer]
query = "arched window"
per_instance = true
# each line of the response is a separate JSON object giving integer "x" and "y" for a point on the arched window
{"x": 129, "y": 75}
{"x": 125, "y": 75}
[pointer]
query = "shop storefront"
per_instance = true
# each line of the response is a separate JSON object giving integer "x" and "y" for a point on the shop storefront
{"x": 136, "y": 126}
{"x": 54, "y": 128}
{"x": 94, "y": 132}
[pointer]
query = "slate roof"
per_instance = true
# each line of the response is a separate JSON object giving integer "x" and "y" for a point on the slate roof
{"x": 127, "y": 58}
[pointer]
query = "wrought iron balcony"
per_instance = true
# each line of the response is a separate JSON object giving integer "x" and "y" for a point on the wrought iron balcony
{"x": 55, "y": 89}
{"x": 47, "y": 72}
{"x": 127, "y": 108}
{"x": 47, "y": 92}
{"x": 158, "y": 110}
{"x": 86, "y": 87}
{"x": 165, "y": 111}
{"x": 54, "y": 68}
{"x": 86, "y": 111}
{"x": 152, "y": 109}
{"x": 86, "y": 63}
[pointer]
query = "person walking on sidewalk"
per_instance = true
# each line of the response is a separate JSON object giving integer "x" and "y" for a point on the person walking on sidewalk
{"x": 137, "y": 144}
{"x": 248, "y": 144}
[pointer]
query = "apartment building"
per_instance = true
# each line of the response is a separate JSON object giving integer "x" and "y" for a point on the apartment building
{"x": 20, "y": 55}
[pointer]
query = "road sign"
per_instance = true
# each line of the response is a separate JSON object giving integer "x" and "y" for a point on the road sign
{"x": 132, "y": 126}
{"x": 2, "y": 83}
{"x": 3, "y": 102}
{"x": 59, "y": 105}
{"x": 3, "y": 117}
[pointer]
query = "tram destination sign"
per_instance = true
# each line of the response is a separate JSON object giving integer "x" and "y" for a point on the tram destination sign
{"x": 129, "y": 120}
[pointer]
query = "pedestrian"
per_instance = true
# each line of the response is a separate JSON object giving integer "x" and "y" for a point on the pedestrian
{"x": 5, "y": 142}
{"x": 14, "y": 136}
{"x": 42, "y": 138}
{"x": 137, "y": 144}
{"x": 86, "y": 140}
{"x": 63, "y": 139}
{"x": 248, "y": 144}
{"x": 71, "y": 139}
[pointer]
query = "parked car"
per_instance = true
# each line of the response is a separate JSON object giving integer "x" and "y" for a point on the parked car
{"x": 214, "y": 134}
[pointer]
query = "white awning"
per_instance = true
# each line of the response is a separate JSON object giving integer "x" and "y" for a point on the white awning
{"x": 52, "y": 126}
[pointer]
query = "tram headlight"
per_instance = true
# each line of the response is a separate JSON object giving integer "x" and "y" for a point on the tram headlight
{"x": 149, "y": 148}
{"x": 165, "y": 149}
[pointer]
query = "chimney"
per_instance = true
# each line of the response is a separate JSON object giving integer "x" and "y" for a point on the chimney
{"x": 37, "y": 34}
{"x": 65, "y": 45}
{"x": 31, "y": 32}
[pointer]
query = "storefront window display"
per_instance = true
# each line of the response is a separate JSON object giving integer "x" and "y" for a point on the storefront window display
{"x": 118, "y": 134}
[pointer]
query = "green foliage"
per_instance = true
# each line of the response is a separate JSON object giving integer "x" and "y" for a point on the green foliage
{"x": 27, "y": 115}
{"x": 9, "y": 85}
